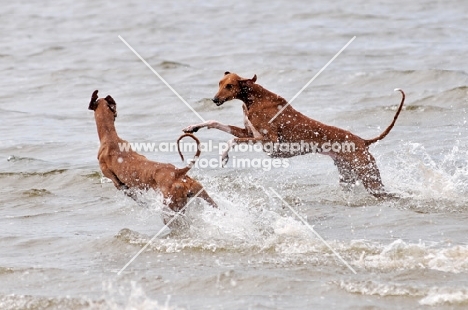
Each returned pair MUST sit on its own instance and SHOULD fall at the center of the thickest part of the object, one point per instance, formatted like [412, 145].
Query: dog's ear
[227, 72]
[181, 172]
[93, 102]
[247, 81]
[112, 105]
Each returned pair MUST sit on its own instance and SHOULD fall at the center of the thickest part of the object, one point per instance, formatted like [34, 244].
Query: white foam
[400, 255]
[432, 296]
[439, 296]
[415, 173]
[380, 289]
[137, 299]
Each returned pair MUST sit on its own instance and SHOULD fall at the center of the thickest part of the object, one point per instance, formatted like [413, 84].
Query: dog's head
[107, 103]
[180, 192]
[232, 87]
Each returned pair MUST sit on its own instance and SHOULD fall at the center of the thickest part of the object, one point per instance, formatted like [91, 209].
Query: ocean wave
[15, 301]
[445, 295]
[35, 192]
[429, 296]
[400, 255]
[381, 289]
[32, 174]
[447, 99]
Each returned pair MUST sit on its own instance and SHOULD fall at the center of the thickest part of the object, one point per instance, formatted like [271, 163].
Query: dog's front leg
[198, 188]
[225, 156]
[233, 130]
[119, 184]
[204, 195]
[236, 141]
[113, 177]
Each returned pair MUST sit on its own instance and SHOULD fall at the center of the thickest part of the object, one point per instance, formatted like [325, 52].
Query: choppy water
[66, 231]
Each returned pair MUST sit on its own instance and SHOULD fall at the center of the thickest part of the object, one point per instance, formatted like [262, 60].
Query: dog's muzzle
[217, 101]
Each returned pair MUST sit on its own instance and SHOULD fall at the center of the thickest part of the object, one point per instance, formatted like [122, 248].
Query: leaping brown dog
[131, 171]
[264, 125]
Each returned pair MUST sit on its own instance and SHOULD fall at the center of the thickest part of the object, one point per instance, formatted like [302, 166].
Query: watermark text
[274, 148]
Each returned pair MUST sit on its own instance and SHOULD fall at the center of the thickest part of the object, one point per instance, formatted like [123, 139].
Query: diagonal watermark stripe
[312, 229]
[312, 79]
[163, 80]
[159, 232]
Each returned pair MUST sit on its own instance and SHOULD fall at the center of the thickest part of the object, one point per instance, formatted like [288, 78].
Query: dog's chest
[257, 131]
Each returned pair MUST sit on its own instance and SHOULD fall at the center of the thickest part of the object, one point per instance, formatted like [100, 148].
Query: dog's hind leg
[369, 174]
[348, 177]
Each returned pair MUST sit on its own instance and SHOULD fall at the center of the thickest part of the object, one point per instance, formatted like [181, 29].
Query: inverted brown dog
[131, 171]
[262, 124]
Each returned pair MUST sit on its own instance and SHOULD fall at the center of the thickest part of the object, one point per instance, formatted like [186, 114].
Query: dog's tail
[197, 154]
[385, 133]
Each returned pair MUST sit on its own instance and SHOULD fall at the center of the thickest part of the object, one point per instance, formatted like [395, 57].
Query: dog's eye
[228, 86]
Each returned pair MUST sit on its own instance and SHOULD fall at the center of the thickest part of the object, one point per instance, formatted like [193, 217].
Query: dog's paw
[124, 187]
[224, 159]
[190, 129]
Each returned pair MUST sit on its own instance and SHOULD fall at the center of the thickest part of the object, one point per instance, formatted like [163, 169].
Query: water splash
[435, 183]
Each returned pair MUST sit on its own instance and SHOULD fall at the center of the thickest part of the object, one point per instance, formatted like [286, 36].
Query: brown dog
[263, 125]
[131, 171]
